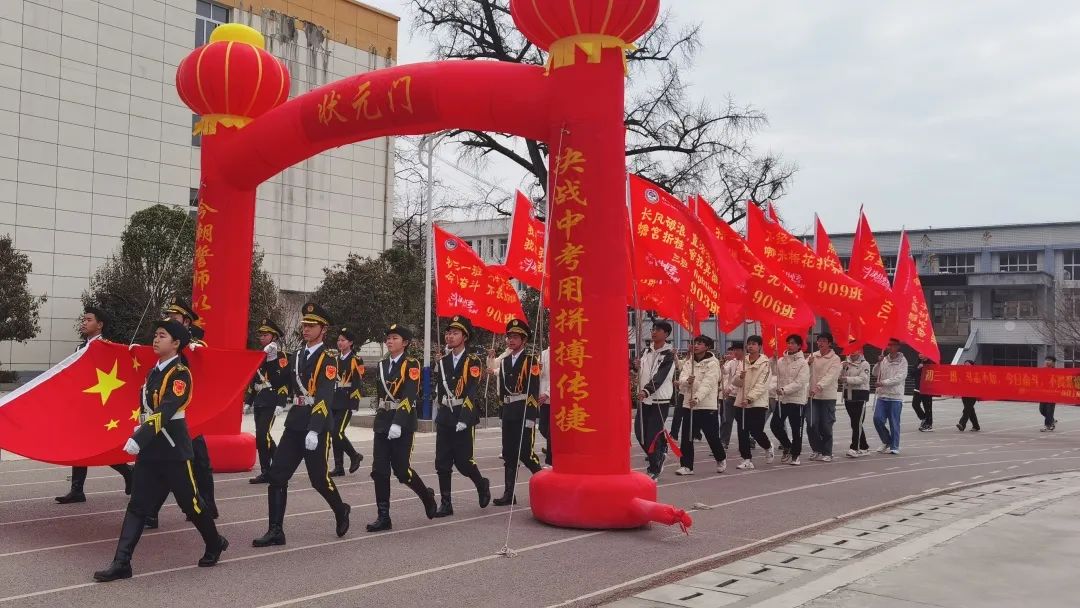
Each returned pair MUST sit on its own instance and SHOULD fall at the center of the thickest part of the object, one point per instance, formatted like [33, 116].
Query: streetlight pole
[426, 151]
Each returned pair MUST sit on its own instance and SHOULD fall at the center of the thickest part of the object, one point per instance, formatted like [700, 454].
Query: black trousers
[518, 442]
[924, 408]
[153, 480]
[792, 414]
[264, 443]
[856, 411]
[545, 429]
[290, 452]
[969, 413]
[342, 445]
[649, 430]
[751, 421]
[727, 419]
[391, 456]
[708, 423]
[454, 449]
[677, 416]
[78, 474]
[204, 479]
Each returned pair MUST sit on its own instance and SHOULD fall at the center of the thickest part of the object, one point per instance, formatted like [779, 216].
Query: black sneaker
[960, 427]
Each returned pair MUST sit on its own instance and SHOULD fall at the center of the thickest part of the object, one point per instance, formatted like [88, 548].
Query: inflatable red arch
[575, 104]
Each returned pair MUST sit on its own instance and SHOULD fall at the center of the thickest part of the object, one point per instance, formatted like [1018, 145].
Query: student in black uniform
[313, 376]
[269, 389]
[346, 401]
[162, 448]
[457, 381]
[519, 391]
[91, 327]
[398, 386]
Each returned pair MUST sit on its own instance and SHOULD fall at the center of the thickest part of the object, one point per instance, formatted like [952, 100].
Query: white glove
[394, 432]
[131, 447]
[278, 410]
[530, 424]
[194, 345]
[271, 351]
[311, 441]
[461, 426]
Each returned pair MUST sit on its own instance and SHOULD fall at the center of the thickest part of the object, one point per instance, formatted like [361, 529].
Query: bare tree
[1061, 326]
[686, 146]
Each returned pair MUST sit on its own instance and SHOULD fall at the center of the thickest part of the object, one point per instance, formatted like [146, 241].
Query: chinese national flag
[867, 268]
[770, 298]
[840, 325]
[82, 410]
[913, 323]
[525, 248]
[464, 285]
[823, 285]
[670, 244]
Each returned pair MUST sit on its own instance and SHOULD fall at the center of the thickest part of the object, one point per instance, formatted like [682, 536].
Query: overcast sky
[928, 113]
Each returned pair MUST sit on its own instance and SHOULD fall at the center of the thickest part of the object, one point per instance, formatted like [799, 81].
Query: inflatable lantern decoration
[231, 80]
[575, 106]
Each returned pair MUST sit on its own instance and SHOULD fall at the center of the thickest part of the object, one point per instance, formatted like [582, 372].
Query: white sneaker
[852, 454]
[770, 456]
[745, 465]
[684, 471]
[826, 459]
[1044, 429]
[785, 458]
[864, 452]
[897, 452]
[814, 455]
[883, 449]
[721, 466]
[795, 461]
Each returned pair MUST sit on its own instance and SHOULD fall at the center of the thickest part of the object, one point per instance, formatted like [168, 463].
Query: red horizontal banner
[998, 383]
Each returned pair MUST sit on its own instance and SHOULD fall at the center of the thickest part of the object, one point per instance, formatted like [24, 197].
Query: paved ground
[48, 551]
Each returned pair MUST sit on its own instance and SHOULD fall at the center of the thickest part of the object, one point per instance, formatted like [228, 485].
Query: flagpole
[427, 144]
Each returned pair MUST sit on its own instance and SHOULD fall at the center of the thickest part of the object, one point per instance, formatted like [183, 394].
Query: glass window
[196, 140]
[1019, 261]
[1014, 355]
[193, 197]
[1071, 356]
[845, 263]
[500, 250]
[890, 264]
[207, 17]
[1069, 306]
[1013, 303]
[956, 263]
[951, 305]
[1071, 265]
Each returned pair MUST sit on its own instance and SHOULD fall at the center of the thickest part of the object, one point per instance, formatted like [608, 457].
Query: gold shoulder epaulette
[332, 352]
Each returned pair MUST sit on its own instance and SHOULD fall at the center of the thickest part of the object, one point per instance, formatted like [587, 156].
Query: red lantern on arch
[232, 79]
[564, 26]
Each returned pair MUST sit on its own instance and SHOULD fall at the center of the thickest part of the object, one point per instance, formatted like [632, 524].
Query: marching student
[269, 389]
[792, 389]
[655, 394]
[519, 391]
[698, 382]
[162, 449]
[969, 411]
[891, 372]
[855, 375]
[457, 383]
[1047, 409]
[728, 372]
[752, 402]
[350, 367]
[825, 367]
[922, 405]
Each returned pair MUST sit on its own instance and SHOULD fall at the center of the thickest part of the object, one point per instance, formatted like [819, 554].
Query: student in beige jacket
[825, 366]
[699, 378]
[752, 401]
[792, 386]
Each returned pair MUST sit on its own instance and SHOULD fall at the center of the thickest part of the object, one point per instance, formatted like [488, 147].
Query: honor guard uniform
[519, 392]
[269, 389]
[346, 401]
[313, 375]
[457, 382]
[163, 452]
[398, 386]
[91, 325]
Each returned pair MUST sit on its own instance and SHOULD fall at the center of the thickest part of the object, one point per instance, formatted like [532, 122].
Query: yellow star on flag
[112, 425]
[106, 384]
[135, 365]
[135, 415]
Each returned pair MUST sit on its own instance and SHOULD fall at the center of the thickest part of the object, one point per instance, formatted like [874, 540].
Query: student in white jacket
[891, 373]
[792, 386]
[825, 367]
[699, 376]
[855, 376]
[752, 402]
[656, 373]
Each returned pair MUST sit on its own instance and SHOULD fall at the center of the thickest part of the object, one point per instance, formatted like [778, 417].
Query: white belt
[262, 387]
[344, 384]
[452, 402]
[176, 416]
[303, 400]
[515, 398]
[388, 404]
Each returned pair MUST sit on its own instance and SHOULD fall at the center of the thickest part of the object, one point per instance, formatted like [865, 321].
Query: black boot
[383, 522]
[126, 471]
[260, 478]
[130, 533]
[510, 474]
[78, 478]
[213, 555]
[276, 498]
[446, 508]
[341, 516]
[151, 522]
[355, 458]
[339, 471]
[483, 490]
[426, 494]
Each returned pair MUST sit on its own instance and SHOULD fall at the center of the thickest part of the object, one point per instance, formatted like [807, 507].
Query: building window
[1072, 265]
[1014, 355]
[1013, 303]
[196, 139]
[499, 253]
[1070, 357]
[1019, 261]
[1069, 306]
[952, 311]
[845, 263]
[890, 264]
[193, 197]
[207, 17]
[956, 263]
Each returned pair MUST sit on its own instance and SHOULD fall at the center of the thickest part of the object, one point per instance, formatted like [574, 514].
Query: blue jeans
[888, 409]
